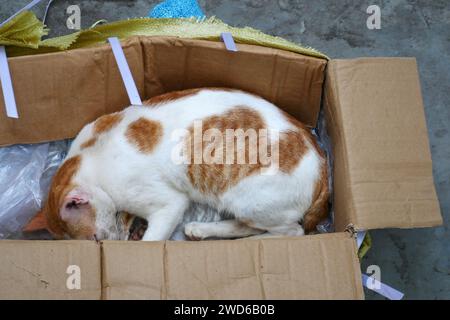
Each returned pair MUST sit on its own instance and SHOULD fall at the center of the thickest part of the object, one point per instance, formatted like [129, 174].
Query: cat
[184, 147]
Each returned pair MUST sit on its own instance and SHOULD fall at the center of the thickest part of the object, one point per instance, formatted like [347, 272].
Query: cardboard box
[382, 169]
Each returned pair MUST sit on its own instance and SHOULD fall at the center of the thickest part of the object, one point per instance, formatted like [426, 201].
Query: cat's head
[76, 211]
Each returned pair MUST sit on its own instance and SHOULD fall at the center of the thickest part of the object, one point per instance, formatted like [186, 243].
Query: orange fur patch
[215, 178]
[319, 207]
[170, 96]
[292, 147]
[107, 122]
[102, 125]
[293, 144]
[144, 134]
[60, 187]
[38, 222]
[305, 132]
[89, 143]
[175, 95]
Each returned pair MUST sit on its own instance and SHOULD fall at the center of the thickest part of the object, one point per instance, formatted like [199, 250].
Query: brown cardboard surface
[291, 81]
[383, 169]
[37, 269]
[133, 270]
[310, 267]
[58, 93]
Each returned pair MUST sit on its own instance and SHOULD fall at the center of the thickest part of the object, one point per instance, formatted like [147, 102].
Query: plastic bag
[324, 141]
[25, 176]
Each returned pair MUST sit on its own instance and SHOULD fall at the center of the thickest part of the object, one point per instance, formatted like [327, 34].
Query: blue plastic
[177, 9]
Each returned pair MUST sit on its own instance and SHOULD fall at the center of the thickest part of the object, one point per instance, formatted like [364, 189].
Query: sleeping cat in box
[222, 149]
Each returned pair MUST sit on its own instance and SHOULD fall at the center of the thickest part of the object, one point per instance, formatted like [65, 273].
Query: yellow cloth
[365, 246]
[23, 34]
[24, 30]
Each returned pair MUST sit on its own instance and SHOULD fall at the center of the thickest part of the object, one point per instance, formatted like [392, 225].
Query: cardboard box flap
[43, 269]
[310, 267]
[291, 81]
[58, 93]
[383, 168]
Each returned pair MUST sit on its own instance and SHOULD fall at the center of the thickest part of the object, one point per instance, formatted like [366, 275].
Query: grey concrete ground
[416, 262]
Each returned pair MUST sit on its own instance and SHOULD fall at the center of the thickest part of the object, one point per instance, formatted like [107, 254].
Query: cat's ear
[75, 206]
[38, 222]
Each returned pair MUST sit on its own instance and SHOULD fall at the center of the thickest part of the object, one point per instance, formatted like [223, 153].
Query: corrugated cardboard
[291, 81]
[383, 170]
[58, 93]
[38, 269]
[310, 267]
[133, 272]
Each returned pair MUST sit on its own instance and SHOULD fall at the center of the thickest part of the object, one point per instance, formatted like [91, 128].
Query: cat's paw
[193, 231]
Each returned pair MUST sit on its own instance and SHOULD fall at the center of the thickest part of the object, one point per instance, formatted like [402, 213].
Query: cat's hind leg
[225, 229]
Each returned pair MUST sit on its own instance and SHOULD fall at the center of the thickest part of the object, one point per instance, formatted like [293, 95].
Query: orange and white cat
[147, 160]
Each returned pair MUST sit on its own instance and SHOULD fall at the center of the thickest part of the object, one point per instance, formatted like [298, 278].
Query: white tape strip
[125, 72]
[27, 7]
[381, 288]
[227, 38]
[46, 11]
[7, 88]
[372, 283]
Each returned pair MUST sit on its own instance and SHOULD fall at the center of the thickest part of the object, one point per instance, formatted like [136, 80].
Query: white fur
[120, 178]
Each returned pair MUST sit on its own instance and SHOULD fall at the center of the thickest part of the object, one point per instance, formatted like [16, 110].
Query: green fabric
[365, 246]
[24, 30]
[22, 34]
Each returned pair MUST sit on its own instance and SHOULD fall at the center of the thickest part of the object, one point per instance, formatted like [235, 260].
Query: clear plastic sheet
[25, 175]
[323, 138]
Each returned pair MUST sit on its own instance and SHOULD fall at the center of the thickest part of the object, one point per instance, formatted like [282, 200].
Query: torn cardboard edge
[272, 268]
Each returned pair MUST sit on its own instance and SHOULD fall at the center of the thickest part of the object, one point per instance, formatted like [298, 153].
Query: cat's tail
[319, 207]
